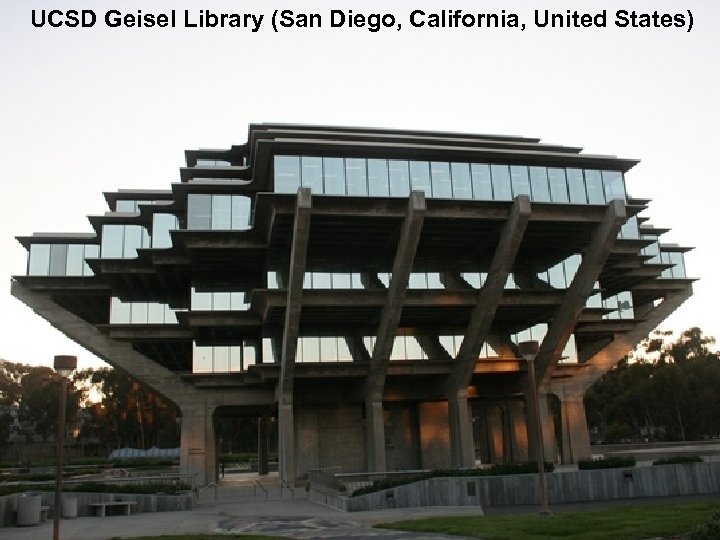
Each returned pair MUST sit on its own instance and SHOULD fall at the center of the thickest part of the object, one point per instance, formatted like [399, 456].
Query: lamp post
[528, 350]
[64, 365]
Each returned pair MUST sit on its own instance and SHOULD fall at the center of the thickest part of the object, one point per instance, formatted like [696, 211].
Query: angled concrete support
[565, 318]
[477, 330]
[387, 329]
[296, 273]
[198, 453]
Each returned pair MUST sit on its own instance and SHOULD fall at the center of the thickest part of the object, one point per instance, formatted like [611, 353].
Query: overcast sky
[88, 110]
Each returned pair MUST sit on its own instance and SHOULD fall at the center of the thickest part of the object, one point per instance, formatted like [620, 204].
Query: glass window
[334, 171]
[112, 241]
[418, 280]
[341, 281]
[75, 260]
[399, 176]
[328, 349]
[135, 238]
[221, 301]
[199, 210]
[593, 184]
[625, 305]
[572, 263]
[440, 175]
[58, 259]
[202, 359]
[413, 351]
[570, 351]
[501, 182]
[433, 281]
[312, 173]
[462, 188]
[630, 229]
[539, 184]
[200, 300]
[235, 359]
[558, 185]
[520, 180]
[287, 174]
[473, 279]
[576, 186]
[124, 205]
[614, 185]
[450, 344]
[39, 264]
[156, 313]
[240, 212]
[92, 251]
[378, 177]
[356, 176]
[556, 275]
[481, 182]
[310, 348]
[138, 312]
[119, 311]
[221, 358]
[249, 355]
[221, 216]
[344, 354]
[162, 225]
[398, 350]
[420, 177]
[678, 261]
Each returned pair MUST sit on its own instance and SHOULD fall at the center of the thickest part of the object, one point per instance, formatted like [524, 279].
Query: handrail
[205, 488]
[284, 483]
[257, 484]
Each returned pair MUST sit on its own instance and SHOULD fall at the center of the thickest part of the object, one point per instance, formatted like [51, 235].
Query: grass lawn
[628, 523]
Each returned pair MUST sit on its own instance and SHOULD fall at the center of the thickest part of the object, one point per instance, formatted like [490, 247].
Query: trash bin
[69, 507]
[28, 510]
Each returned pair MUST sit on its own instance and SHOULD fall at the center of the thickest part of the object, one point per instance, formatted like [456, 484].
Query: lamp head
[65, 364]
[528, 349]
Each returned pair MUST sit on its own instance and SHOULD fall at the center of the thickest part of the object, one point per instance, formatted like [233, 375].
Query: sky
[89, 110]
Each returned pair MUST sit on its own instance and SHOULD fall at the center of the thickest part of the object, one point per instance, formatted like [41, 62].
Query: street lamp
[528, 350]
[64, 365]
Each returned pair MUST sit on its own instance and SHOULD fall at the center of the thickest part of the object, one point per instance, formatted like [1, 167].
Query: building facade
[363, 292]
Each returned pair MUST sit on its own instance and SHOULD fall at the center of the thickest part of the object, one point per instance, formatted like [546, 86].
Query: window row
[140, 313]
[218, 212]
[131, 205]
[201, 300]
[441, 179]
[61, 259]
[161, 227]
[223, 358]
[123, 241]
[212, 163]
[621, 305]
[677, 260]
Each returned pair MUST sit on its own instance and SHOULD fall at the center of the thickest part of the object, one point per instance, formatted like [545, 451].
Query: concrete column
[548, 427]
[518, 430]
[286, 441]
[375, 434]
[575, 436]
[462, 444]
[198, 452]
[263, 445]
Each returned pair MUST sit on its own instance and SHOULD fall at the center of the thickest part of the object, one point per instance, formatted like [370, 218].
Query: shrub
[495, 470]
[677, 460]
[607, 463]
[709, 530]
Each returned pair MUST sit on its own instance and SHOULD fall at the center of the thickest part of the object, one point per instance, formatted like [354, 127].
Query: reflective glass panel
[328, 349]
[138, 312]
[198, 212]
[501, 182]
[92, 251]
[75, 260]
[558, 185]
[440, 175]
[123, 205]
[520, 180]
[420, 177]
[334, 171]
[344, 353]
[413, 351]
[593, 185]
[287, 174]
[481, 182]
[240, 212]
[39, 264]
[112, 241]
[678, 261]
[356, 176]
[378, 177]
[162, 225]
[221, 218]
[462, 188]
[576, 186]
[311, 348]
[614, 185]
[399, 176]
[119, 311]
[312, 173]
[539, 184]
[202, 359]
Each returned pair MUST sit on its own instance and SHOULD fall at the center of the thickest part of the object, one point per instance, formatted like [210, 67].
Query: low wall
[522, 489]
[145, 503]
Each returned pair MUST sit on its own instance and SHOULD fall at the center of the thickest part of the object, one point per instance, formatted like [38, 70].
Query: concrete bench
[101, 506]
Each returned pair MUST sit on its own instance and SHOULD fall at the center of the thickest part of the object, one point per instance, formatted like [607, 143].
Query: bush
[496, 470]
[677, 460]
[710, 530]
[607, 463]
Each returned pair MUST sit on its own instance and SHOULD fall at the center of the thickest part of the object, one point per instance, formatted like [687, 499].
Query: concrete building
[363, 292]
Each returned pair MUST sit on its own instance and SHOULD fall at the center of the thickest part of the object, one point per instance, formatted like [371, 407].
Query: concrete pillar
[575, 435]
[548, 427]
[462, 444]
[286, 441]
[198, 452]
[375, 434]
[263, 445]
[518, 431]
